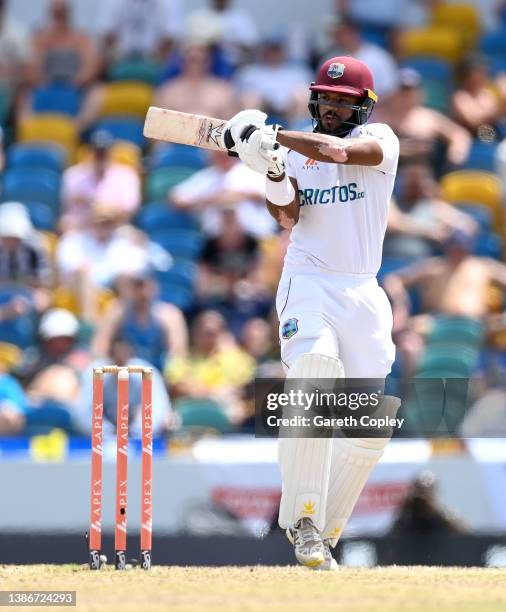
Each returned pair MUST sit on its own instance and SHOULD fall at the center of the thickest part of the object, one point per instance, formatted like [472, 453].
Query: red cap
[344, 75]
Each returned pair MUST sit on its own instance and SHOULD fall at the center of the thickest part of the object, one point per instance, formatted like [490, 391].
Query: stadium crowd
[113, 248]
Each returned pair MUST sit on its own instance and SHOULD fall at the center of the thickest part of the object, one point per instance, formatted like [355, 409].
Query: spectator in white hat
[53, 374]
[24, 265]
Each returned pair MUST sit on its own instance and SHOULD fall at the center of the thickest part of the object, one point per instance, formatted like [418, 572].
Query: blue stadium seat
[158, 216]
[26, 184]
[43, 217]
[186, 244]
[496, 64]
[430, 68]
[36, 156]
[489, 244]
[182, 297]
[183, 273]
[179, 156]
[20, 331]
[57, 98]
[376, 36]
[393, 264]
[480, 213]
[494, 43]
[123, 128]
[482, 156]
[437, 79]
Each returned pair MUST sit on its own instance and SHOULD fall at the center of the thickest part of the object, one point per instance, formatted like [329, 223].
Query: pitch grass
[268, 589]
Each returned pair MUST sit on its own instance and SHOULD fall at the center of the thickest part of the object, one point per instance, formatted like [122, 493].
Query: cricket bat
[189, 129]
[184, 128]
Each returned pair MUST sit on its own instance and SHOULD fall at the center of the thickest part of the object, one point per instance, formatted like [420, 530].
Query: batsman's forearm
[332, 149]
[286, 216]
[308, 143]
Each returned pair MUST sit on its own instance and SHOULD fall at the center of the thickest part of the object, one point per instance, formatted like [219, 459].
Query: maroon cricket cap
[344, 74]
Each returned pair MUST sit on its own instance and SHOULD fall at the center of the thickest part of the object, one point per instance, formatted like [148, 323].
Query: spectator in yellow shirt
[216, 368]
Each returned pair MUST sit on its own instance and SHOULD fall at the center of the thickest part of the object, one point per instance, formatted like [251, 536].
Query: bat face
[184, 128]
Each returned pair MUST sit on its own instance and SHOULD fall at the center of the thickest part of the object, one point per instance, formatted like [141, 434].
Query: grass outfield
[265, 589]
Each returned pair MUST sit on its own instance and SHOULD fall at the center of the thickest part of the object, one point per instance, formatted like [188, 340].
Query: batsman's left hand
[259, 150]
[236, 125]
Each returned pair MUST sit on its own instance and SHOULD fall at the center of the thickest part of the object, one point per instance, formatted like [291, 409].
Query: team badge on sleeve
[336, 70]
[289, 328]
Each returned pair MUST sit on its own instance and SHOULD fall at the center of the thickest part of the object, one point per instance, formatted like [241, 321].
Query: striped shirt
[27, 263]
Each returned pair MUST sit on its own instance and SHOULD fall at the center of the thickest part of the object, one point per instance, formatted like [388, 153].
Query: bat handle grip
[228, 141]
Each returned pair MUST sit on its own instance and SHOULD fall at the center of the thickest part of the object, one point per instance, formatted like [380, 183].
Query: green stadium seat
[203, 415]
[141, 70]
[159, 182]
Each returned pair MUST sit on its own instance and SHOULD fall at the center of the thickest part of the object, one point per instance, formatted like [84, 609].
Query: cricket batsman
[333, 187]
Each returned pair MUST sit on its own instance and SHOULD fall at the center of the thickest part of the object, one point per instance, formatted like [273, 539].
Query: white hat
[14, 221]
[58, 322]
[203, 27]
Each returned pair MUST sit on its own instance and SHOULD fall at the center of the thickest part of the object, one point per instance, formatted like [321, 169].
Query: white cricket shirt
[344, 209]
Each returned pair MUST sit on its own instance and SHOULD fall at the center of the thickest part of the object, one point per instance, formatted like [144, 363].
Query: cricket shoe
[330, 564]
[307, 543]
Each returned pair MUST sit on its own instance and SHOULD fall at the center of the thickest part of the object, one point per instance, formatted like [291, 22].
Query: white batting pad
[305, 472]
[305, 463]
[313, 365]
[352, 462]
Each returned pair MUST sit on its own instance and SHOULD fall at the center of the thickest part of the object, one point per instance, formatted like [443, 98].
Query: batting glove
[258, 149]
[235, 126]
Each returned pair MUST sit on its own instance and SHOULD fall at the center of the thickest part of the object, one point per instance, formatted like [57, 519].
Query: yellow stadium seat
[63, 297]
[50, 242]
[122, 152]
[441, 42]
[463, 18]
[465, 186]
[127, 98]
[50, 127]
[10, 355]
[127, 153]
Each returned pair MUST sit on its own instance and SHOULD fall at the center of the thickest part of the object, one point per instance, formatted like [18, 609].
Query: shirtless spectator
[419, 220]
[98, 179]
[225, 182]
[455, 284]
[475, 103]
[156, 330]
[196, 90]
[62, 54]
[420, 129]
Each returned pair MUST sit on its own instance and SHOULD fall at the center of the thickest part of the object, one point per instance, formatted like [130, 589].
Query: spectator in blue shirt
[13, 406]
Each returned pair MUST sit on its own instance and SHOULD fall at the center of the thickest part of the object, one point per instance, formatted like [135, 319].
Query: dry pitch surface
[191, 589]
